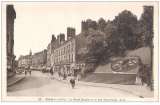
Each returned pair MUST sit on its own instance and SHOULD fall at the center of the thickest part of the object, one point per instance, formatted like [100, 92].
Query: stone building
[48, 55]
[70, 33]
[63, 54]
[85, 25]
[71, 53]
[39, 59]
[25, 61]
[66, 54]
[61, 39]
[54, 43]
[10, 16]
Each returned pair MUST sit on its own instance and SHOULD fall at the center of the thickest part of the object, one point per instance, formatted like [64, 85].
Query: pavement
[42, 84]
[137, 90]
[14, 79]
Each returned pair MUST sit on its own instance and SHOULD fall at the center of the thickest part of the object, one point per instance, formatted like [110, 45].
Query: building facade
[85, 25]
[10, 17]
[66, 54]
[39, 59]
[70, 33]
[25, 61]
[48, 55]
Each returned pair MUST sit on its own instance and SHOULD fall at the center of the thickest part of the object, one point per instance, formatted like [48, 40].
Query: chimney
[61, 38]
[70, 33]
[53, 38]
[83, 26]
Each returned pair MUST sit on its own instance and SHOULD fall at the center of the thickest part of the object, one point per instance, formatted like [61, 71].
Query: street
[40, 84]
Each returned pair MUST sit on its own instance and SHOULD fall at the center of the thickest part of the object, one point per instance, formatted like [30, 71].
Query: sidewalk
[137, 90]
[13, 80]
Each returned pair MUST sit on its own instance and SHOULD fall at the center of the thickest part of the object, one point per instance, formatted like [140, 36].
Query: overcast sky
[36, 22]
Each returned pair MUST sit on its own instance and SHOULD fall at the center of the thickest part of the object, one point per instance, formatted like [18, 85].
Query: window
[69, 57]
[63, 50]
[58, 52]
[72, 57]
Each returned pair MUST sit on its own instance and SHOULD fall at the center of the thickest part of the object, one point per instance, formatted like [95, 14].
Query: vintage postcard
[79, 51]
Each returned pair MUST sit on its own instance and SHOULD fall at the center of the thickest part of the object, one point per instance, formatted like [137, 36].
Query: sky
[36, 21]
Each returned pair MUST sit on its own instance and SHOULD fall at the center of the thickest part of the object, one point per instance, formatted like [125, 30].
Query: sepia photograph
[79, 51]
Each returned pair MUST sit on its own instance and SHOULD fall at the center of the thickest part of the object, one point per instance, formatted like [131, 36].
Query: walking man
[29, 70]
[25, 72]
[72, 82]
[51, 72]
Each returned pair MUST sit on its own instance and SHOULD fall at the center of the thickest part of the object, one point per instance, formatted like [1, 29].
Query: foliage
[114, 38]
[126, 24]
[101, 24]
[115, 45]
[146, 26]
[95, 46]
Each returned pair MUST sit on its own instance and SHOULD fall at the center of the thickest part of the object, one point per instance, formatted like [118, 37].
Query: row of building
[60, 52]
[36, 60]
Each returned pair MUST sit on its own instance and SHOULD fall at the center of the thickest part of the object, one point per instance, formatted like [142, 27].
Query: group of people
[63, 72]
[28, 70]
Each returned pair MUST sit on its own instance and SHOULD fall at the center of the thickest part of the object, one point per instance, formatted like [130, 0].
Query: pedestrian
[72, 82]
[25, 72]
[59, 74]
[65, 72]
[29, 70]
[64, 76]
[51, 72]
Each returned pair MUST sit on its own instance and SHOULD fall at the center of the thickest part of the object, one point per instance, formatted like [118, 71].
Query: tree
[115, 45]
[146, 25]
[91, 24]
[126, 23]
[146, 28]
[95, 45]
[110, 30]
[101, 24]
